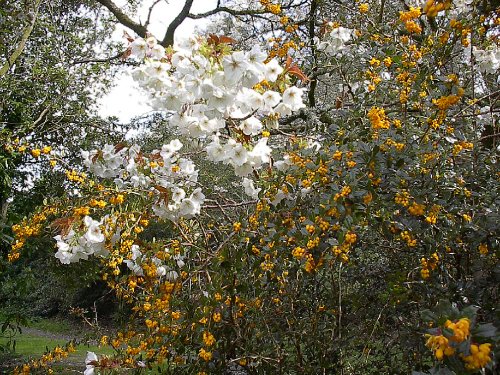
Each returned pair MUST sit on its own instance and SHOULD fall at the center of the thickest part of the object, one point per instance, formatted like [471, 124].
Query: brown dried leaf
[213, 39]
[295, 71]
[96, 156]
[128, 37]
[162, 189]
[63, 224]
[226, 39]
[125, 55]
[120, 146]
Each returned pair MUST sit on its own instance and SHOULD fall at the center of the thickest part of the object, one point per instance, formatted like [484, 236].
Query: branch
[125, 20]
[312, 21]
[168, 40]
[236, 204]
[232, 12]
[102, 60]
[20, 48]
[146, 24]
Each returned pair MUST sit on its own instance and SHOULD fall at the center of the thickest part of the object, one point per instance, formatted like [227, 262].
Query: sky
[125, 100]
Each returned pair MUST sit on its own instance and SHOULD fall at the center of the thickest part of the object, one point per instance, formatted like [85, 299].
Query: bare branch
[232, 12]
[119, 56]
[168, 40]
[314, 82]
[125, 20]
[146, 24]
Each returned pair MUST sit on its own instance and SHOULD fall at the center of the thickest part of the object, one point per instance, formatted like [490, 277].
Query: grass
[34, 346]
[53, 326]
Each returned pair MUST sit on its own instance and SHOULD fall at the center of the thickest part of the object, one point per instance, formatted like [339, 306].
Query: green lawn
[34, 346]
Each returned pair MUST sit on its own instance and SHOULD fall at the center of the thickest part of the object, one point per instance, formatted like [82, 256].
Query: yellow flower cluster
[479, 356]
[413, 27]
[118, 199]
[298, 252]
[311, 265]
[433, 7]
[406, 236]
[440, 346]
[432, 215]
[217, 317]
[483, 249]
[97, 203]
[323, 224]
[57, 354]
[312, 243]
[363, 8]
[461, 329]
[378, 119]
[208, 338]
[428, 265]
[443, 346]
[460, 146]
[399, 146]
[416, 209]
[35, 151]
[409, 15]
[344, 193]
[351, 238]
[28, 228]
[408, 18]
[81, 211]
[445, 102]
[402, 198]
[282, 50]
[75, 176]
[274, 8]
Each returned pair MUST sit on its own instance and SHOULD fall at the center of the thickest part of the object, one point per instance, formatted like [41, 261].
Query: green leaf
[485, 331]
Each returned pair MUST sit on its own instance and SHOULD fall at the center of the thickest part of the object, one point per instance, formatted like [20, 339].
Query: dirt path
[50, 335]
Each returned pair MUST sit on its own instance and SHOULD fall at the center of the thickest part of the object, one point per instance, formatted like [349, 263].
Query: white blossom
[250, 189]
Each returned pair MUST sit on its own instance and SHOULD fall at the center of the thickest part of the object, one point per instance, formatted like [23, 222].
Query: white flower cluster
[488, 60]
[90, 362]
[73, 246]
[461, 7]
[334, 42]
[163, 171]
[213, 98]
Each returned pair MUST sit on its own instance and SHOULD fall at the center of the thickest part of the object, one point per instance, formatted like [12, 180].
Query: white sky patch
[125, 100]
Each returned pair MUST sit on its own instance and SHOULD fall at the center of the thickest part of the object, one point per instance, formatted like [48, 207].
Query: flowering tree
[366, 177]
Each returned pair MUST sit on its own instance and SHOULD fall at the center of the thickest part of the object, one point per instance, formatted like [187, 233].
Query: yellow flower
[205, 355]
[208, 338]
[483, 249]
[216, 317]
[363, 8]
